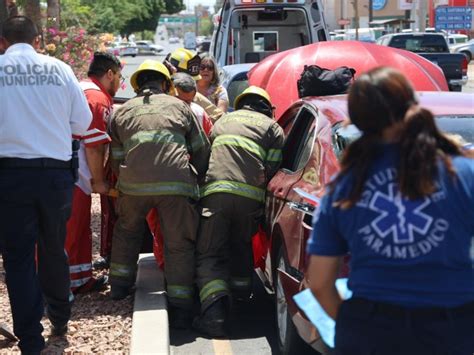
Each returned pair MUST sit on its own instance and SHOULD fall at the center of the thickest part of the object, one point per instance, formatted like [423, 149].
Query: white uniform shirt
[41, 105]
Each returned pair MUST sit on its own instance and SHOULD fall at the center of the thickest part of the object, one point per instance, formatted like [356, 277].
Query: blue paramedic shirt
[414, 253]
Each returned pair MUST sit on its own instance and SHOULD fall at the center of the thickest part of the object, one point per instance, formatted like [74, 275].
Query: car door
[284, 223]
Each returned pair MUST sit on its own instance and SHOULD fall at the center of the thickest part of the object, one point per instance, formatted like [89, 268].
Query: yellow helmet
[150, 65]
[186, 61]
[252, 90]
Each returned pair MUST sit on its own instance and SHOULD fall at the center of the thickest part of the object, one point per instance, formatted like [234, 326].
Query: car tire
[468, 55]
[134, 55]
[289, 341]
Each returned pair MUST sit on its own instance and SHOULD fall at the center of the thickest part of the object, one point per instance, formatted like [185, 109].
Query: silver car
[465, 48]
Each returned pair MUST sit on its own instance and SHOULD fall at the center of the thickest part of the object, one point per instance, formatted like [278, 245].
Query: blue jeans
[34, 207]
[372, 328]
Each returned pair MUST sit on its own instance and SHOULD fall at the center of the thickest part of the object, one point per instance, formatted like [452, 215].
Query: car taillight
[464, 66]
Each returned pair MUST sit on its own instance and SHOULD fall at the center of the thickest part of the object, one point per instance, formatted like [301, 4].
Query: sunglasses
[207, 66]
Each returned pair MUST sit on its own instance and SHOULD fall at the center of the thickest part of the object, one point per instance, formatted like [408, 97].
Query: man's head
[107, 69]
[19, 29]
[185, 87]
[185, 61]
[256, 99]
[153, 75]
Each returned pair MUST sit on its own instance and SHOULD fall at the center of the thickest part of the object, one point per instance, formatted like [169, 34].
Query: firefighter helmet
[186, 61]
[150, 65]
[252, 90]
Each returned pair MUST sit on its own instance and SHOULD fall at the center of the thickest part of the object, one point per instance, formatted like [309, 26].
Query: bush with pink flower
[73, 46]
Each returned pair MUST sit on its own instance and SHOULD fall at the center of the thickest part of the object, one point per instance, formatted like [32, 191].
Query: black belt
[37, 163]
[395, 311]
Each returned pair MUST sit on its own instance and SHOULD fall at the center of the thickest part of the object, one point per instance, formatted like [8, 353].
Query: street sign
[453, 18]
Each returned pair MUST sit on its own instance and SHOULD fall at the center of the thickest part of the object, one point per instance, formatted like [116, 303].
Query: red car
[316, 137]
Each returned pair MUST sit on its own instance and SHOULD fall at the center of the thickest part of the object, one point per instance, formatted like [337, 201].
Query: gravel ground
[98, 325]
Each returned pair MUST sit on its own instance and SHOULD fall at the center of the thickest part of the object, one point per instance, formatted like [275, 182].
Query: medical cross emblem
[399, 218]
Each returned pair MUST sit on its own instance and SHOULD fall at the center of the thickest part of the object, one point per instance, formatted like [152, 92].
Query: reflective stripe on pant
[224, 248]
[179, 220]
[79, 239]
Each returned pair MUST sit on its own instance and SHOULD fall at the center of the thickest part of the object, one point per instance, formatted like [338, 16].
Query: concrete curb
[150, 332]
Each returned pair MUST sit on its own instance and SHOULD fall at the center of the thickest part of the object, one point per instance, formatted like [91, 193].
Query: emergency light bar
[268, 2]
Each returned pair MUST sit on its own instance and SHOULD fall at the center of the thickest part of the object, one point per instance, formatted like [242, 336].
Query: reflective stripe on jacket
[158, 147]
[245, 154]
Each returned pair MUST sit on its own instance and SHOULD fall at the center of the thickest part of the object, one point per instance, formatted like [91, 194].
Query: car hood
[279, 73]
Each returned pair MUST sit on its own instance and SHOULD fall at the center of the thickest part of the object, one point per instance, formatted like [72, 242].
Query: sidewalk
[150, 332]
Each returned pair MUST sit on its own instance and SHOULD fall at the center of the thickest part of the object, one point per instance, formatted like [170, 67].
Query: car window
[235, 88]
[300, 141]
[458, 128]
[420, 44]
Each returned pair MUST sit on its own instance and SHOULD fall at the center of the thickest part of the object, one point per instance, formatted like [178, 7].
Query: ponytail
[421, 147]
[357, 158]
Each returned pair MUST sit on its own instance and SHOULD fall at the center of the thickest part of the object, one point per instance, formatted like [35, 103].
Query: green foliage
[205, 26]
[75, 14]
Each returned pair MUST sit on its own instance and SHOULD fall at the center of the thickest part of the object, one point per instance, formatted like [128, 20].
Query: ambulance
[247, 31]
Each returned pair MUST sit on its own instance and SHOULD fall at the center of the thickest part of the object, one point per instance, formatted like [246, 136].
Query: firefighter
[185, 61]
[159, 153]
[104, 80]
[245, 154]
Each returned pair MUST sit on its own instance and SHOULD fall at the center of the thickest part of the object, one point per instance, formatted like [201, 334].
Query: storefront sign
[378, 4]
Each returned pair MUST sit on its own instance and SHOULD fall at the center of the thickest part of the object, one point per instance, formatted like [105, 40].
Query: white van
[249, 30]
[189, 41]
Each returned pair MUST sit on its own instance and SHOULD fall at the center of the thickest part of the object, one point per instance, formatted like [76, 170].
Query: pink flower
[52, 31]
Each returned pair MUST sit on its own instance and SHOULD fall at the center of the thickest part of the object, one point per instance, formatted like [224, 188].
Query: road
[253, 332]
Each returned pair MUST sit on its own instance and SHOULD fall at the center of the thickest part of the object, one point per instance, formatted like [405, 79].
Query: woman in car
[209, 85]
[402, 206]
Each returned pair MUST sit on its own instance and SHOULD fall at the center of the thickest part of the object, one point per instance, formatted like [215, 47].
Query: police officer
[42, 107]
[159, 152]
[246, 153]
[185, 61]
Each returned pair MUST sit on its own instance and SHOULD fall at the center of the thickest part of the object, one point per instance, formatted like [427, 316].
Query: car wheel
[468, 55]
[134, 55]
[289, 340]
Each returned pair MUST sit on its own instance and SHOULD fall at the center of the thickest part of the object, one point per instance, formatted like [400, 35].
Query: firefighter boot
[214, 320]
[180, 318]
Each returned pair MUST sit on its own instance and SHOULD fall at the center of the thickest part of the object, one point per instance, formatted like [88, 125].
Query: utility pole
[422, 15]
[371, 11]
[355, 3]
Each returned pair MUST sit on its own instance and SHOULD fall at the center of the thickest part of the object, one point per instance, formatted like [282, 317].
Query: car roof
[235, 69]
[441, 103]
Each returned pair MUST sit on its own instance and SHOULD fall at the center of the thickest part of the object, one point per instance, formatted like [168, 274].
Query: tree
[75, 14]
[53, 14]
[3, 11]
[33, 11]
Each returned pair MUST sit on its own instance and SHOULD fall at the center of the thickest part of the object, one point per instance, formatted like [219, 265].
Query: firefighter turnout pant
[224, 246]
[179, 219]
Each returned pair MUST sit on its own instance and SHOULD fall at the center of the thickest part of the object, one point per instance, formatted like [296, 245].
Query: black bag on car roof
[317, 81]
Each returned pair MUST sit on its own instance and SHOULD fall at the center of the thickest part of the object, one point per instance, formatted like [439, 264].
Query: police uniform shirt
[41, 105]
[412, 253]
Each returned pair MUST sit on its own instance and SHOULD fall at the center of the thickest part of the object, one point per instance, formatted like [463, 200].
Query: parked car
[148, 48]
[278, 74]
[127, 49]
[456, 38]
[432, 46]
[316, 138]
[467, 49]
[113, 48]
[173, 40]
[234, 79]
[203, 47]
